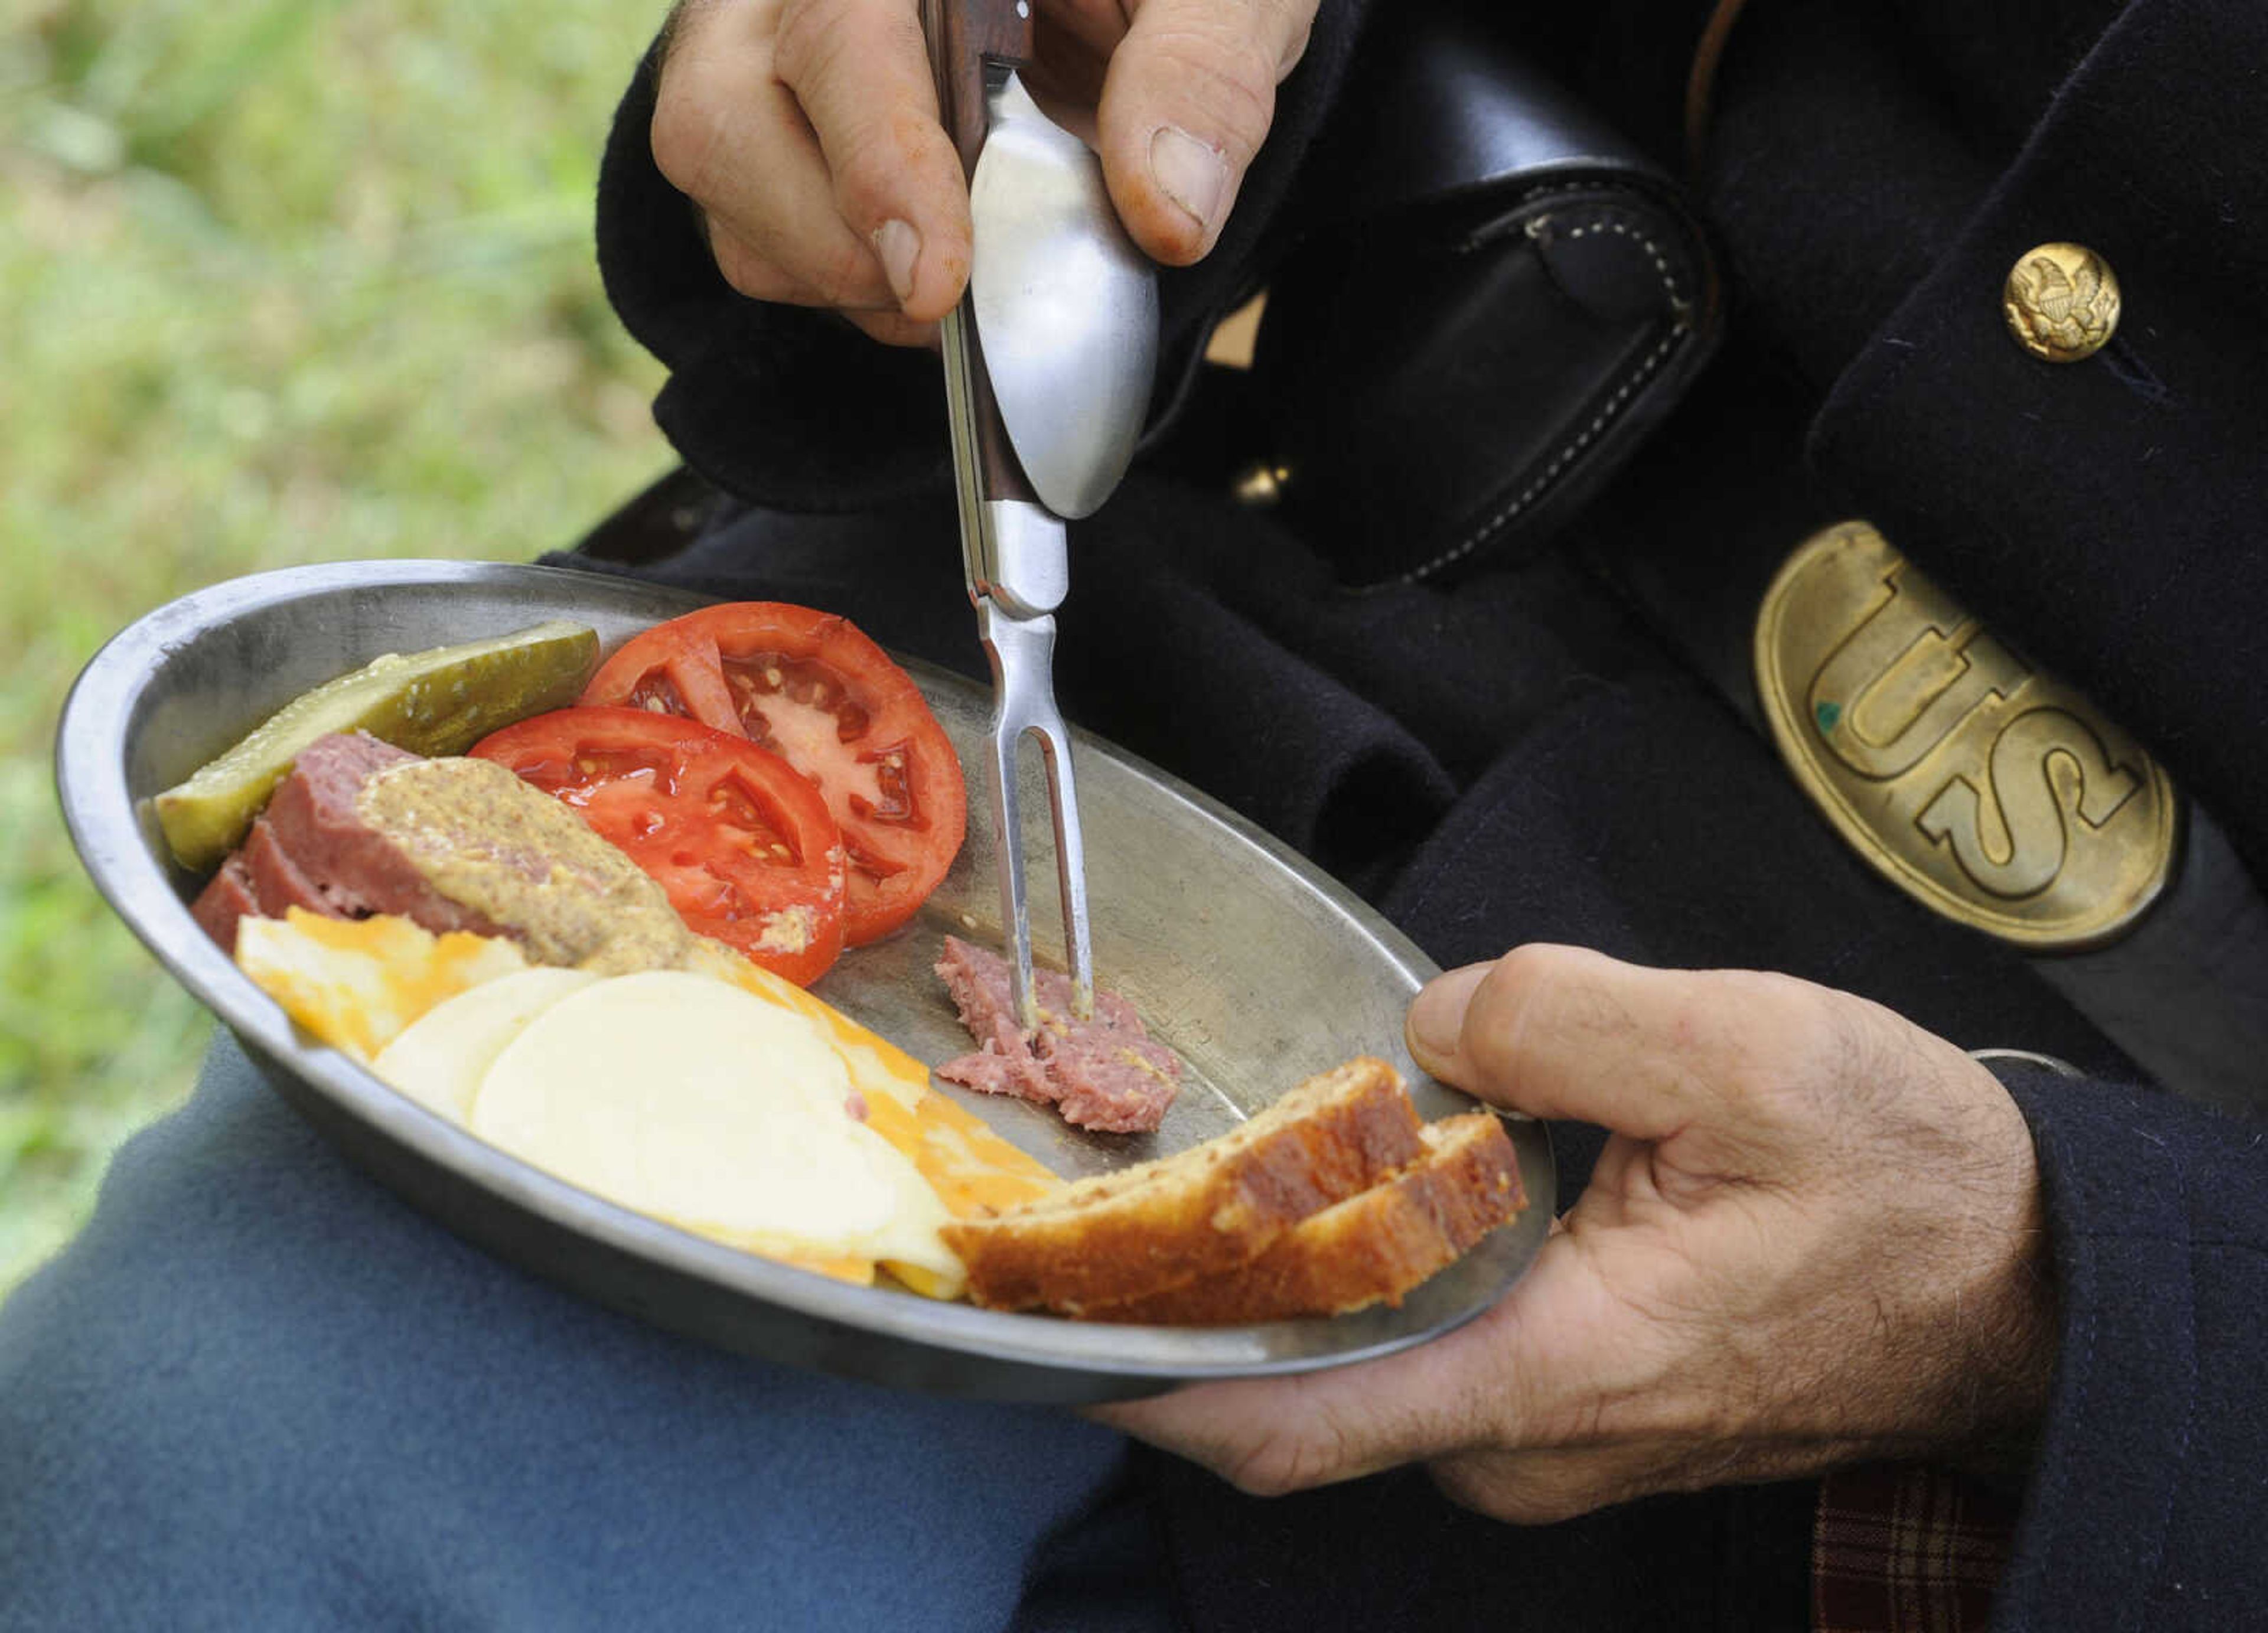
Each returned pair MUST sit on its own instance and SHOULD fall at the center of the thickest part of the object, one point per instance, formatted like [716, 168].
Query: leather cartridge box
[1500, 300]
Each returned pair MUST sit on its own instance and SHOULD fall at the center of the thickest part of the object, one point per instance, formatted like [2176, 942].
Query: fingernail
[899, 246]
[1192, 174]
[1437, 1014]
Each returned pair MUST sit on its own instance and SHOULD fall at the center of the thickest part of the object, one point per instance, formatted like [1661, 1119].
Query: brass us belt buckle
[1991, 792]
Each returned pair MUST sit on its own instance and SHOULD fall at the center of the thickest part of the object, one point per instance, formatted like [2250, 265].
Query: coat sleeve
[2147, 1506]
[793, 408]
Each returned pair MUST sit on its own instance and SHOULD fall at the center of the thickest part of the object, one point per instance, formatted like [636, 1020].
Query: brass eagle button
[2061, 301]
[1989, 791]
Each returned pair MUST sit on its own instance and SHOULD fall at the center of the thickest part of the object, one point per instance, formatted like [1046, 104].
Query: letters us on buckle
[1993, 793]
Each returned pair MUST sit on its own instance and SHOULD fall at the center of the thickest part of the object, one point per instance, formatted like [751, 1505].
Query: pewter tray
[1255, 968]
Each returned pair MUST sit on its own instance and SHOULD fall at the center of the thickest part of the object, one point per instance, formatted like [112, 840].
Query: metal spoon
[1066, 307]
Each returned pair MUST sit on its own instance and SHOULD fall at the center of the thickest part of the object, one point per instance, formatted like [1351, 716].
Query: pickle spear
[440, 702]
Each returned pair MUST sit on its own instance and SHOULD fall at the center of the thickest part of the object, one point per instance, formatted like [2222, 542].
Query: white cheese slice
[699, 1103]
[441, 1058]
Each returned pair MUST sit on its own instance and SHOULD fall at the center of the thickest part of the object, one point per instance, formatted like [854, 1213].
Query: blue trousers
[259, 1391]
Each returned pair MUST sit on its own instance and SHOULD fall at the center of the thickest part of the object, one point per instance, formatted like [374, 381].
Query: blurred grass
[280, 281]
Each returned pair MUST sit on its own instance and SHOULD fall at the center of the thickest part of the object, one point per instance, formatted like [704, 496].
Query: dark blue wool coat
[1519, 757]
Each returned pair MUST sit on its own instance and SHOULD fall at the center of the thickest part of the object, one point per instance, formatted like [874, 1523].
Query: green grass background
[280, 280]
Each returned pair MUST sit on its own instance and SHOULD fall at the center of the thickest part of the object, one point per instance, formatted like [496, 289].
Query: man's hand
[806, 132]
[1814, 1237]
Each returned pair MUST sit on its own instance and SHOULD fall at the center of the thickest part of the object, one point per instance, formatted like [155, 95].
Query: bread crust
[1144, 1229]
[1372, 1247]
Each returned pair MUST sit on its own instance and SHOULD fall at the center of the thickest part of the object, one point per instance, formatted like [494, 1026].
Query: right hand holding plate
[1814, 1237]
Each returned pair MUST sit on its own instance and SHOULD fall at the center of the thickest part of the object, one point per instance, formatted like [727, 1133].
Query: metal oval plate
[1256, 968]
[1066, 308]
[1995, 794]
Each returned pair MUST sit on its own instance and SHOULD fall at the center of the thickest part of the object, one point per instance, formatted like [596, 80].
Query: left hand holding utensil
[806, 132]
[1813, 1238]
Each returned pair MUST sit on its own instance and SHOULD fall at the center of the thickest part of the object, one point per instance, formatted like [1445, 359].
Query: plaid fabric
[1906, 1549]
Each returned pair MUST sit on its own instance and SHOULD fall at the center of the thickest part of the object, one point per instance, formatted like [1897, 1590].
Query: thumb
[1187, 100]
[1562, 1032]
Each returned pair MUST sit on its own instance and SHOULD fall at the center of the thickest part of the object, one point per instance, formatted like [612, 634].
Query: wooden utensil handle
[964, 37]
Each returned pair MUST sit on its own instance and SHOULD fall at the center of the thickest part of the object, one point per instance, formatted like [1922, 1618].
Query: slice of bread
[1375, 1246]
[1143, 1229]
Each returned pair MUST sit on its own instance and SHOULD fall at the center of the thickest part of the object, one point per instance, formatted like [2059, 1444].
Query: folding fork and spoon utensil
[1048, 366]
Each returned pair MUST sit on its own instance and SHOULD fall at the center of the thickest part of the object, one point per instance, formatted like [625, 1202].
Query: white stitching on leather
[1621, 229]
[1534, 226]
[1479, 535]
[1567, 451]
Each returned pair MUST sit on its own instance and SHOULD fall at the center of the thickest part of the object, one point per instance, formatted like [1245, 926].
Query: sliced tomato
[741, 842]
[810, 686]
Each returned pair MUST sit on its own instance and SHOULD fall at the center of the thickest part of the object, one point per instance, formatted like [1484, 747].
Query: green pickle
[440, 702]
